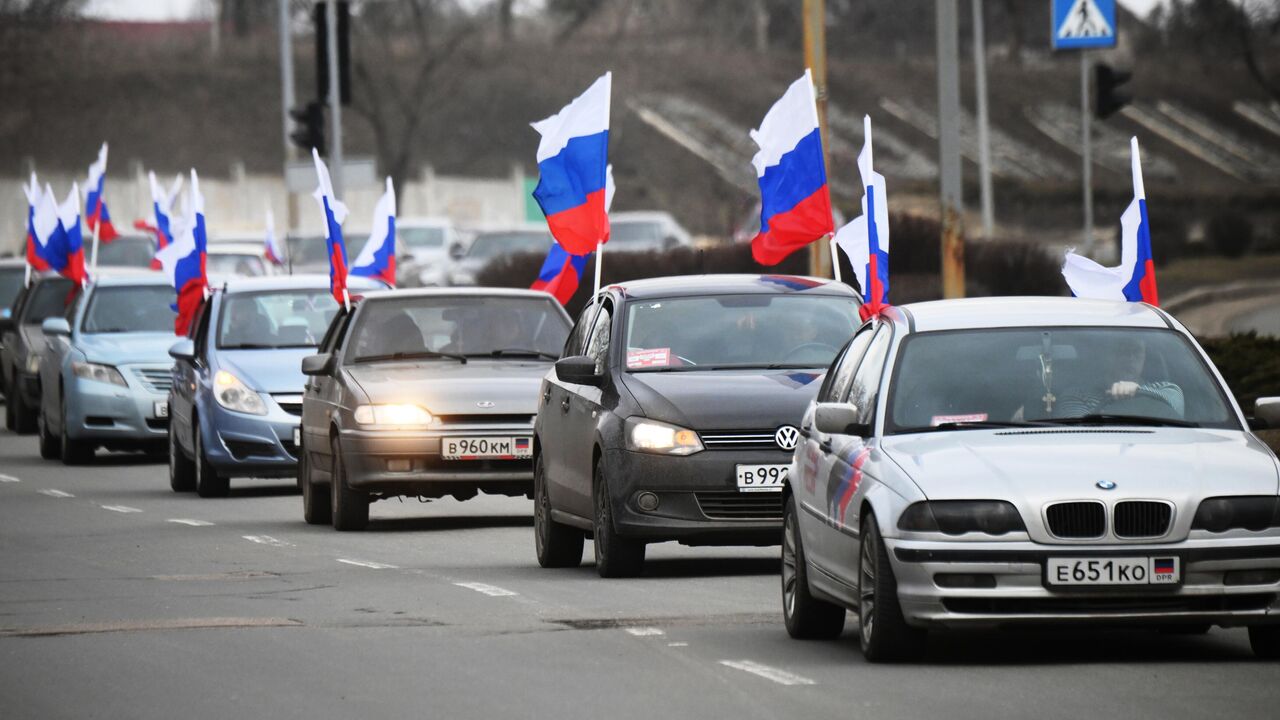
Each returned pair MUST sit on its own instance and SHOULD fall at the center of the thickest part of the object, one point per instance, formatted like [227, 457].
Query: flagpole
[93, 268]
[835, 258]
[26, 281]
[599, 258]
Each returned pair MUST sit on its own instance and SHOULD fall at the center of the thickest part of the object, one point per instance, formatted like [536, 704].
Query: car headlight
[393, 415]
[234, 395]
[957, 517]
[1220, 514]
[652, 436]
[94, 371]
[33, 364]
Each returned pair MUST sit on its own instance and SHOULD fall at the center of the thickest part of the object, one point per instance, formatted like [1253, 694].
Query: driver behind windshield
[249, 325]
[1126, 377]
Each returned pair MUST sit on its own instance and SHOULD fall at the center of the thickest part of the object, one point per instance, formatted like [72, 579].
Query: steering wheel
[1145, 405]
[809, 346]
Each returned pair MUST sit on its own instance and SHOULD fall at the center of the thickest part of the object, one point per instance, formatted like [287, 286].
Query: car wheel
[1265, 640]
[10, 417]
[182, 472]
[350, 507]
[885, 635]
[317, 508]
[806, 617]
[208, 483]
[24, 418]
[616, 556]
[50, 444]
[73, 452]
[558, 545]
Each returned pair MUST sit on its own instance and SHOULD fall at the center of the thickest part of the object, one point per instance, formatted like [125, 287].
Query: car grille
[1141, 519]
[291, 403]
[739, 440]
[1077, 520]
[733, 505]
[157, 380]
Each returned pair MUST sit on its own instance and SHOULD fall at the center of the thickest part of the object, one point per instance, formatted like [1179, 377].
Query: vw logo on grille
[484, 404]
[1106, 485]
[787, 436]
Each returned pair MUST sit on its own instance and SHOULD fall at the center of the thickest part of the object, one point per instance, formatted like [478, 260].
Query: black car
[22, 339]
[672, 414]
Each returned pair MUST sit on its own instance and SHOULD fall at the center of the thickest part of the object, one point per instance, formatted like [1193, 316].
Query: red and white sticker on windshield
[648, 357]
[943, 419]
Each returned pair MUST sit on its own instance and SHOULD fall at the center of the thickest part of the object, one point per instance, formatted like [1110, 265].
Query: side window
[573, 345]
[866, 381]
[73, 307]
[332, 339]
[836, 389]
[598, 340]
[201, 328]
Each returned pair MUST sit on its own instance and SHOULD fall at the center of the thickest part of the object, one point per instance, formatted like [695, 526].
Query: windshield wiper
[972, 425]
[1112, 419]
[417, 354]
[247, 346]
[516, 352]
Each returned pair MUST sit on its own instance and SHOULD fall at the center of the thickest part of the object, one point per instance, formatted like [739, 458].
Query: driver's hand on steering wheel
[1123, 389]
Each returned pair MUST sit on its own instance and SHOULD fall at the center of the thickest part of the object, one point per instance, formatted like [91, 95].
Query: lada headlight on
[100, 373]
[234, 395]
[661, 438]
[393, 415]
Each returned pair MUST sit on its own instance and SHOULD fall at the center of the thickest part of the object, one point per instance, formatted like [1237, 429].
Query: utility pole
[951, 195]
[984, 122]
[815, 58]
[287, 98]
[335, 96]
[1086, 144]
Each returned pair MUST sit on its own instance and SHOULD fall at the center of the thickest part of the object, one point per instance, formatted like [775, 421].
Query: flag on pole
[866, 240]
[70, 239]
[572, 158]
[96, 215]
[334, 215]
[271, 246]
[183, 260]
[1134, 279]
[33, 193]
[162, 208]
[561, 272]
[795, 203]
[378, 257]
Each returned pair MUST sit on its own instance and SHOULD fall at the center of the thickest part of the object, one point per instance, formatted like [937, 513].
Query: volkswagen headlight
[393, 415]
[662, 438]
[100, 373]
[234, 395]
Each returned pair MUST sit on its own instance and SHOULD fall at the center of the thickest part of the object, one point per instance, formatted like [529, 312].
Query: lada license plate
[1166, 570]
[160, 409]
[762, 478]
[482, 448]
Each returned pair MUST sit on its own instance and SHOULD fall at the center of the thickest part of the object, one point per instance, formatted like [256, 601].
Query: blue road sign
[1083, 24]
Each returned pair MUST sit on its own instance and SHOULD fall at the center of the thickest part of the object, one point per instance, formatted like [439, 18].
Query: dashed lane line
[782, 677]
[189, 521]
[55, 493]
[8, 479]
[645, 631]
[678, 644]
[368, 564]
[267, 540]
[121, 508]
[490, 590]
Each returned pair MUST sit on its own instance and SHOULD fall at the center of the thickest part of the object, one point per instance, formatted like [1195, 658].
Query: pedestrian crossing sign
[1083, 24]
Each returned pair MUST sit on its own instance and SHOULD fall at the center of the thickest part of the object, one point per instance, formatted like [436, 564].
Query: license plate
[160, 409]
[1166, 570]
[297, 437]
[481, 448]
[762, 478]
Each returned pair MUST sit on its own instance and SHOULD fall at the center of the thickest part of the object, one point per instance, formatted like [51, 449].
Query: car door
[320, 395]
[9, 340]
[582, 412]
[553, 413]
[55, 354]
[187, 380]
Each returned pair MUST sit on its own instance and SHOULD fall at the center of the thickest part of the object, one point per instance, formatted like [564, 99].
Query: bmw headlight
[957, 517]
[393, 415]
[662, 438]
[234, 395]
[1220, 514]
[94, 371]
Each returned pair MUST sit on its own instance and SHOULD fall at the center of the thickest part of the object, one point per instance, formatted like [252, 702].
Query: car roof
[234, 247]
[302, 281]
[640, 216]
[456, 292]
[131, 279]
[12, 262]
[428, 222]
[1003, 312]
[695, 285]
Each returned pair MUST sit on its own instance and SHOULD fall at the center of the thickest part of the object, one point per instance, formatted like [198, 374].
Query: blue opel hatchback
[236, 401]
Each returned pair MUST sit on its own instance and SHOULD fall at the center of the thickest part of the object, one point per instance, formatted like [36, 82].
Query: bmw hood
[445, 387]
[725, 399]
[127, 348]
[1178, 464]
[268, 371]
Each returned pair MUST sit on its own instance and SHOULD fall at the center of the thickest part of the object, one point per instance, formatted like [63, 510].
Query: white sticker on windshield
[651, 357]
[972, 417]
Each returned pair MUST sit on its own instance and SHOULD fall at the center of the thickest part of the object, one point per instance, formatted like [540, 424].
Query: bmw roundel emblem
[787, 437]
[1106, 485]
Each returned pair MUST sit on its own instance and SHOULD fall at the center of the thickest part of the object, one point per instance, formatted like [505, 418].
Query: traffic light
[1107, 97]
[322, 51]
[310, 131]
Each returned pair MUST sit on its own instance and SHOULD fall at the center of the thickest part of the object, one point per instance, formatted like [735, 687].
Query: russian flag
[560, 273]
[271, 246]
[866, 240]
[795, 204]
[162, 208]
[33, 193]
[183, 261]
[334, 215]
[572, 159]
[56, 230]
[96, 215]
[377, 259]
[1134, 279]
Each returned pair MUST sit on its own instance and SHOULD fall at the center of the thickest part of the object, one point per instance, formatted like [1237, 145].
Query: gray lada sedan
[427, 393]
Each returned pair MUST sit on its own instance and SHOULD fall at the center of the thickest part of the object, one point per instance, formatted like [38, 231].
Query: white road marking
[55, 493]
[8, 478]
[368, 564]
[677, 644]
[645, 631]
[782, 677]
[266, 540]
[490, 590]
[120, 508]
[190, 521]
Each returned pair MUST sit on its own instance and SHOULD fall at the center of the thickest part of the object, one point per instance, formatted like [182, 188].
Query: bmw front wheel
[884, 633]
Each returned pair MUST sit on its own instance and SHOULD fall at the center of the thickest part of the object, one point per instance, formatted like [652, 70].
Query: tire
[24, 418]
[1265, 640]
[885, 636]
[50, 444]
[73, 452]
[10, 418]
[806, 617]
[182, 472]
[557, 545]
[208, 483]
[317, 505]
[616, 556]
[350, 507]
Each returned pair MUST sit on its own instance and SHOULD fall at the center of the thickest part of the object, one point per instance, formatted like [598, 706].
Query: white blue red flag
[271, 249]
[33, 192]
[866, 240]
[95, 214]
[572, 159]
[795, 203]
[162, 208]
[1134, 279]
[334, 215]
[377, 259]
[59, 246]
[561, 272]
[183, 260]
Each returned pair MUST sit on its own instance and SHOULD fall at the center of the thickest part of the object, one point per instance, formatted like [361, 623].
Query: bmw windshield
[275, 319]
[129, 309]
[1058, 376]
[737, 331]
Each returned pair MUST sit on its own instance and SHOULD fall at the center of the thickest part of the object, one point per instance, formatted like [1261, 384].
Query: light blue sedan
[236, 399]
[105, 370]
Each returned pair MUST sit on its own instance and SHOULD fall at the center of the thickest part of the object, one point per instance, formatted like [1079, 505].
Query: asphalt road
[120, 599]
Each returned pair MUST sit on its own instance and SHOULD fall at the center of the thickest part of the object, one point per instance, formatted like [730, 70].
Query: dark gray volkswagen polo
[672, 414]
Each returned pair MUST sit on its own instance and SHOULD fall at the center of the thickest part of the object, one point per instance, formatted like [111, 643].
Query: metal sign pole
[1086, 144]
[984, 132]
[287, 100]
[335, 96]
[949, 167]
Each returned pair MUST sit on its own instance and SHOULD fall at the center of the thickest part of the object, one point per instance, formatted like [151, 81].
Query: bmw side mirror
[184, 349]
[1266, 410]
[579, 370]
[55, 326]
[321, 364]
[839, 419]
